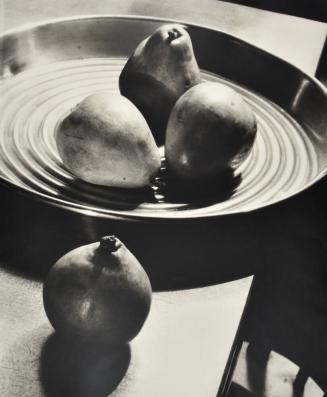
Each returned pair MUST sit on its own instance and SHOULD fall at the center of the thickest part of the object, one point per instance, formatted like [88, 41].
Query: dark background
[315, 10]
[311, 9]
[292, 282]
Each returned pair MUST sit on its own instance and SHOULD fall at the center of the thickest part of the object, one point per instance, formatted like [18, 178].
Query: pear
[105, 140]
[98, 292]
[160, 70]
[211, 130]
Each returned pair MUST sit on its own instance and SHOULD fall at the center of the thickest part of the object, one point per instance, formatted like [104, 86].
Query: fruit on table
[98, 292]
[211, 129]
[105, 140]
[159, 71]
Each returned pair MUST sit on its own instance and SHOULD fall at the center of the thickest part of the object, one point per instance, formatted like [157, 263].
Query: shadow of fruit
[71, 369]
[199, 193]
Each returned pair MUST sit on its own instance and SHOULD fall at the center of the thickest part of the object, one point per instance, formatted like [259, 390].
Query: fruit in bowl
[211, 129]
[98, 292]
[207, 128]
[105, 140]
[159, 71]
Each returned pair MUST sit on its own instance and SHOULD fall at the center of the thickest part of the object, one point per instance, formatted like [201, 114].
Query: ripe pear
[211, 130]
[160, 70]
[98, 292]
[105, 140]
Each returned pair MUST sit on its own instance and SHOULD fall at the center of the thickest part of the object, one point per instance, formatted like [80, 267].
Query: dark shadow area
[175, 254]
[268, 373]
[256, 369]
[165, 189]
[287, 311]
[154, 100]
[299, 383]
[201, 194]
[181, 254]
[321, 72]
[310, 9]
[237, 390]
[68, 368]
[290, 318]
[120, 199]
[39, 363]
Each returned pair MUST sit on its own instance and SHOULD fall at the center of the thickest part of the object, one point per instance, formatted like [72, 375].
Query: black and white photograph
[163, 198]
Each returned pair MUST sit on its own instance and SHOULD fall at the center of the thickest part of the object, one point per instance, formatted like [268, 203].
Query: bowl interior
[48, 69]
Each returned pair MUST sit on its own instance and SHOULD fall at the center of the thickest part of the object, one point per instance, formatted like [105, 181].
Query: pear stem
[172, 34]
[109, 243]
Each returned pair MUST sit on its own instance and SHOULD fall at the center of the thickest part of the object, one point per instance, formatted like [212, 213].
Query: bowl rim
[121, 215]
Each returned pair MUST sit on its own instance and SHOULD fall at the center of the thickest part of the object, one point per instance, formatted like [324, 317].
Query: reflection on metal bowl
[48, 68]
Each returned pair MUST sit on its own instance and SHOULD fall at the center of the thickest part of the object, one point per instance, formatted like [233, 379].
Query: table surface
[296, 40]
[182, 349]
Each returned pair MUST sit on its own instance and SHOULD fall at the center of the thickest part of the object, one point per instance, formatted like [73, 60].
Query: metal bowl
[46, 69]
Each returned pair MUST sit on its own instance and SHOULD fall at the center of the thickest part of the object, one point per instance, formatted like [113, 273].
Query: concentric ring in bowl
[34, 102]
